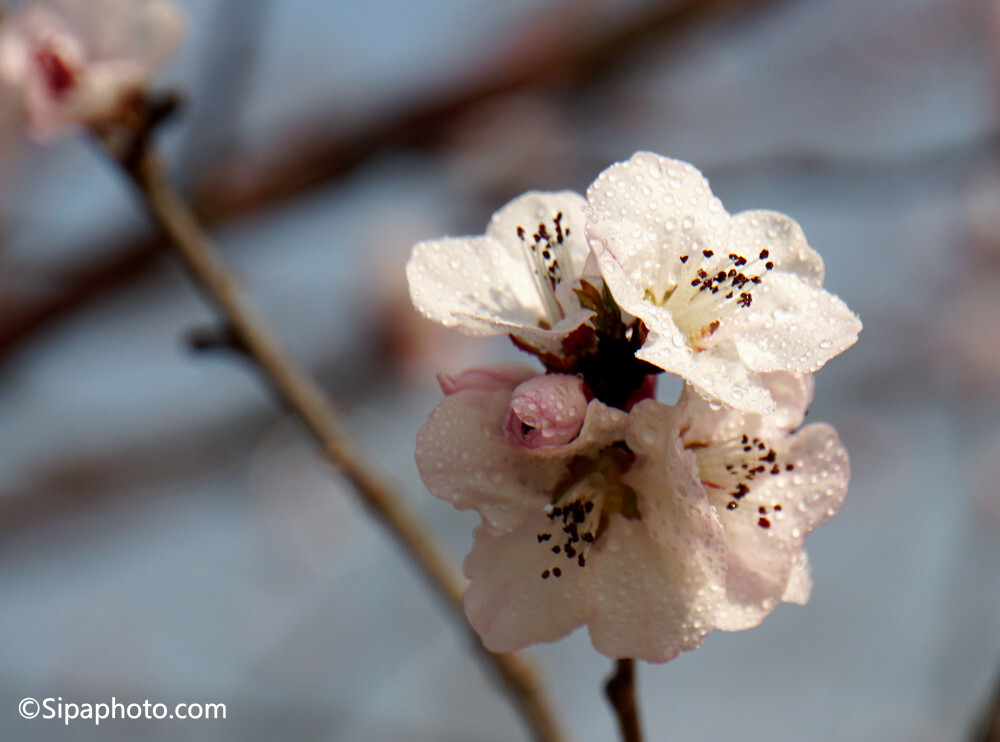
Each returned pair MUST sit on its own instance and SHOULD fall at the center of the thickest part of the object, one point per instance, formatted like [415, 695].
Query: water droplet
[783, 314]
[648, 435]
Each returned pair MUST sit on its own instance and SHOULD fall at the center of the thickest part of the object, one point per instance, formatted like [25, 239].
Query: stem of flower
[307, 401]
[620, 690]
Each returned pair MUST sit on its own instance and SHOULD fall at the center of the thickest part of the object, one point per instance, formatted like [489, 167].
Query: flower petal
[503, 376]
[660, 578]
[792, 326]
[717, 375]
[508, 602]
[472, 284]
[782, 237]
[485, 285]
[763, 543]
[649, 211]
[536, 209]
[705, 422]
[464, 458]
[799, 587]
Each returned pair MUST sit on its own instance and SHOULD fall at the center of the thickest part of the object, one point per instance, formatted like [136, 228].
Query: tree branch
[620, 690]
[988, 727]
[314, 159]
[303, 396]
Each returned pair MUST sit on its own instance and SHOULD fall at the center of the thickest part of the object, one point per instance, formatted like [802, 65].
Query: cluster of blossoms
[651, 524]
[84, 61]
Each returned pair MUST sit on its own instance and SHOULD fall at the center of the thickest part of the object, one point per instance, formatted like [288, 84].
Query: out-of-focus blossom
[517, 278]
[771, 487]
[725, 298]
[611, 530]
[84, 61]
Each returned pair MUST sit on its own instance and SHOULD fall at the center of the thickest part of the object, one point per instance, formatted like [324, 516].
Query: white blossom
[517, 278]
[725, 298]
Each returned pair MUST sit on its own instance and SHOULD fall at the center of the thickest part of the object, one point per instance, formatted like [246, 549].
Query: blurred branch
[570, 62]
[300, 393]
[620, 690]
[988, 728]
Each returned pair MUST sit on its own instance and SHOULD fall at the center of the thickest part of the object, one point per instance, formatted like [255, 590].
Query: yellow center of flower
[709, 288]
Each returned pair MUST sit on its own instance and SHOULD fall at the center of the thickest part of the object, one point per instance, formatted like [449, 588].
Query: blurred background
[166, 533]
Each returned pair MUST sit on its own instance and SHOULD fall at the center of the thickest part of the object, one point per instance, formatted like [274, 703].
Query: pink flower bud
[546, 411]
[486, 378]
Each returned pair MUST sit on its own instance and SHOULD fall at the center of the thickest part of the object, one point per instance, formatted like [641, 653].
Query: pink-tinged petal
[465, 459]
[649, 211]
[706, 422]
[488, 285]
[546, 411]
[659, 578]
[503, 376]
[508, 602]
[782, 237]
[791, 326]
[765, 533]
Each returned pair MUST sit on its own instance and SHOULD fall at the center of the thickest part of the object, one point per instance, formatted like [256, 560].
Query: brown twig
[303, 396]
[988, 727]
[620, 690]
